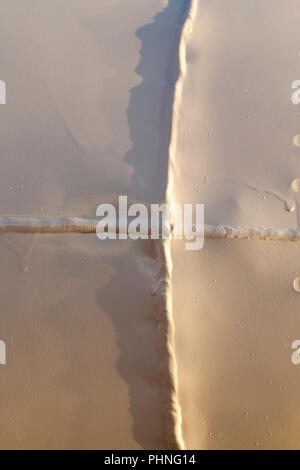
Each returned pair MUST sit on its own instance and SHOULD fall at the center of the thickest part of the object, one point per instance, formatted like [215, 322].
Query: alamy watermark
[296, 354]
[2, 92]
[154, 221]
[296, 94]
[2, 352]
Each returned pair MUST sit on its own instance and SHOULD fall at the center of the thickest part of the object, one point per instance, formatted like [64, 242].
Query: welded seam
[23, 224]
[163, 288]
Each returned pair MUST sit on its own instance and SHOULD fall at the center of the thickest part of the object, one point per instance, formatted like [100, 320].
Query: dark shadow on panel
[150, 118]
[151, 102]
